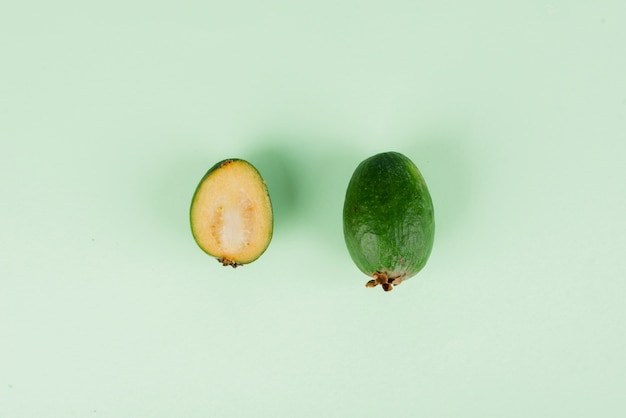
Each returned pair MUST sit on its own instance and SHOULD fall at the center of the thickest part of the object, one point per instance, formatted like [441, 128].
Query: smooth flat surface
[110, 114]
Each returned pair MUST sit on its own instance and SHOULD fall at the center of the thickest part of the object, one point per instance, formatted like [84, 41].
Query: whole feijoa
[388, 219]
[231, 213]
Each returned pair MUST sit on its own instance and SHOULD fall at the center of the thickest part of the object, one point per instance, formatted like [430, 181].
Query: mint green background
[111, 112]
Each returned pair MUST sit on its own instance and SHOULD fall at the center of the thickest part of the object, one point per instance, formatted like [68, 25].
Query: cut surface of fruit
[231, 213]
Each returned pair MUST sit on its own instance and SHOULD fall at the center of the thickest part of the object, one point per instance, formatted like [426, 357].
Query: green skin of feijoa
[388, 219]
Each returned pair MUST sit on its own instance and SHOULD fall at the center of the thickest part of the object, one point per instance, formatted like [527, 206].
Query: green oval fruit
[231, 213]
[388, 219]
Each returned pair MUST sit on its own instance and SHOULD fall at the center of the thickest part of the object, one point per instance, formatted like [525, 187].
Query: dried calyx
[226, 262]
[383, 279]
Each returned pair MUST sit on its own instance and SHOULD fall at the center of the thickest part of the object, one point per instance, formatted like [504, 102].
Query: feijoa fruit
[388, 219]
[231, 213]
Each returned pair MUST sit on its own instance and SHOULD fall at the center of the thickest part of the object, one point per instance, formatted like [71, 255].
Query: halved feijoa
[388, 219]
[231, 213]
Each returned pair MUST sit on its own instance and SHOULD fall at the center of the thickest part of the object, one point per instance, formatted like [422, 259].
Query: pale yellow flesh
[231, 214]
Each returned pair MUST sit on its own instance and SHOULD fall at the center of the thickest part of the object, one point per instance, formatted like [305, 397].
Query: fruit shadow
[448, 167]
[281, 171]
[307, 183]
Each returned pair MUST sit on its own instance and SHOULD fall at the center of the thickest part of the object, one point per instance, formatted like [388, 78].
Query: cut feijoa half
[231, 213]
[388, 219]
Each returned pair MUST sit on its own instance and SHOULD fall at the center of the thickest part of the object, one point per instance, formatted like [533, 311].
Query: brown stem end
[228, 262]
[383, 279]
